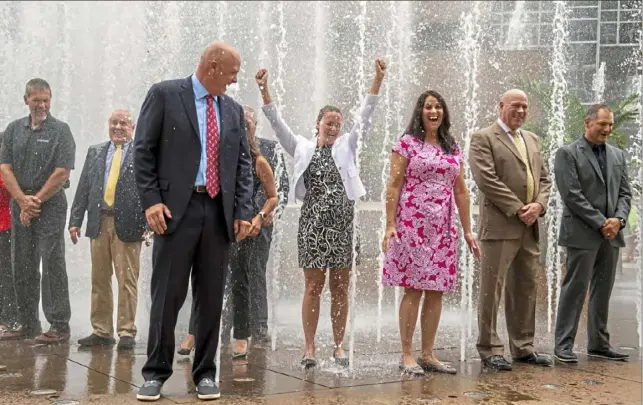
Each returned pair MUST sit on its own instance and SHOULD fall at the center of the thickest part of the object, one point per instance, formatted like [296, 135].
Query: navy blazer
[129, 220]
[167, 153]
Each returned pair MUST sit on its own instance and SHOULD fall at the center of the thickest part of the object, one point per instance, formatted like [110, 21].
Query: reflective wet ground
[67, 374]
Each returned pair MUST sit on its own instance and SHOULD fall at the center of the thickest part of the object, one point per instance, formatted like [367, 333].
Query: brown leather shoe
[52, 337]
[12, 334]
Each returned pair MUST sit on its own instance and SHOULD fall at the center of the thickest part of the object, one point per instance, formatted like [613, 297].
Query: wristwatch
[622, 222]
[262, 215]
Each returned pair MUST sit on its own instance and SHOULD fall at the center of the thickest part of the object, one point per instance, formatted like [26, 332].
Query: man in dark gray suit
[592, 180]
[115, 224]
[194, 175]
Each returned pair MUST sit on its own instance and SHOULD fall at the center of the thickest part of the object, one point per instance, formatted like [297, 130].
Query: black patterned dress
[325, 237]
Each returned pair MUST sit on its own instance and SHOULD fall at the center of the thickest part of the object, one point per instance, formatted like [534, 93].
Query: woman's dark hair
[416, 127]
[324, 110]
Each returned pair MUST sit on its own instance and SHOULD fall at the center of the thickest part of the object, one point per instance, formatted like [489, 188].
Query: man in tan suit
[508, 168]
[115, 224]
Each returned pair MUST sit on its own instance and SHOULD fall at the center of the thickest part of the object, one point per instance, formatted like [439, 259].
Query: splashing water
[281, 50]
[598, 83]
[470, 52]
[361, 92]
[515, 31]
[385, 155]
[217, 357]
[319, 70]
[556, 134]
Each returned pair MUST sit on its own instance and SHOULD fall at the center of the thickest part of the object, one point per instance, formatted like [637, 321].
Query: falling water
[280, 49]
[470, 52]
[361, 92]
[319, 68]
[516, 27]
[385, 156]
[598, 83]
[556, 134]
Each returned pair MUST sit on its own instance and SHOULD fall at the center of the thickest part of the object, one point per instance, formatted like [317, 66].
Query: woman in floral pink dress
[426, 186]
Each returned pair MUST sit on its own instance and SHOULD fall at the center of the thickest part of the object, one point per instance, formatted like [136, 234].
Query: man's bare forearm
[54, 184]
[11, 183]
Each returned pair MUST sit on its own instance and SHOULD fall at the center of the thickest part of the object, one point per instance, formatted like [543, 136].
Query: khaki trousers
[106, 250]
[510, 265]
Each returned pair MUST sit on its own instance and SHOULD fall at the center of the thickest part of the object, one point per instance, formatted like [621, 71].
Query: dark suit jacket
[582, 189]
[129, 219]
[168, 151]
[267, 149]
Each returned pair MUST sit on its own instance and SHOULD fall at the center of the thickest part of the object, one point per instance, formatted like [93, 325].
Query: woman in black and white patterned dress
[327, 181]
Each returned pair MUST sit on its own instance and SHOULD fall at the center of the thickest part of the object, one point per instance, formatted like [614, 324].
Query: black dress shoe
[126, 343]
[535, 359]
[95, 340]
[497, 362]
[608, 354]
[565, 356]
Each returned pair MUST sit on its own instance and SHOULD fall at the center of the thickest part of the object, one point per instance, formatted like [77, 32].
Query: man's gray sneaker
[150, 391]
[207, 390]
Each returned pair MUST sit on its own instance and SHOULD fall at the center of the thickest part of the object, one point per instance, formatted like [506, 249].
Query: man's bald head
[513, 108]
[219, 65]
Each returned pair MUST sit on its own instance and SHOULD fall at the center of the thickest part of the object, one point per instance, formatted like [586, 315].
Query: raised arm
[284, 134]
[484, 174]
[363, 120]
[571, 192]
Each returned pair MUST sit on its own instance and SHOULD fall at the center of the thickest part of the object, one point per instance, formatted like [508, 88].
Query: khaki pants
[125, 256]
[510, 266]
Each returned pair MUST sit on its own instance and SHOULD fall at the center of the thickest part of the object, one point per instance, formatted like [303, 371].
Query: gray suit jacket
[129, 218]
[583, 188]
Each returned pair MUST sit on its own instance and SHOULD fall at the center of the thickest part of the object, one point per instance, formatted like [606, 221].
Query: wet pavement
[67, 374]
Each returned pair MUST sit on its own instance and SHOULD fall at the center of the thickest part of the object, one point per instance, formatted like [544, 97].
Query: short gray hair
[36, 84]
[592, 111]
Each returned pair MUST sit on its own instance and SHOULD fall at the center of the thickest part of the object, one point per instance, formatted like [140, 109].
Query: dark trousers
[200, 243]
[43, 239]
[596, 269]
[8, 304]
[247, 299]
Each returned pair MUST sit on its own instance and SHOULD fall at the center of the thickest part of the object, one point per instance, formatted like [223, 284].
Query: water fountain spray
[281, 50]
[470, 52]
[556, 135]
[361, 92]
[598, 83]
[385, 156]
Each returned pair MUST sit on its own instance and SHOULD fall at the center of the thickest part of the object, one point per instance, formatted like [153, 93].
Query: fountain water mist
[319, 69]
[598, 83]
[556, 135]
[277, 232]
[516, 26]
[470, 52]
[361, 92]
[385, 156]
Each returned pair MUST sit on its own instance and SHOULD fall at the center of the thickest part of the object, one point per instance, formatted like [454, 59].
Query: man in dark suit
[193, 171]
[115, 224]
[592, 179]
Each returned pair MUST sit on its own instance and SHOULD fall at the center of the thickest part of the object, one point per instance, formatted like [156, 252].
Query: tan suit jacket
[501, 177]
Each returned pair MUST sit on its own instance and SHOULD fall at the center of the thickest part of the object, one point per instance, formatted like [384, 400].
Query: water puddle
[592, 382]
[40, 393]
[551, 386]
[244, 379]
[11, 375]
[429, 400]
[475, 394]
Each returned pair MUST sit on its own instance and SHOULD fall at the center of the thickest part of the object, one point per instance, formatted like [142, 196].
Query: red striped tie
[212, 146]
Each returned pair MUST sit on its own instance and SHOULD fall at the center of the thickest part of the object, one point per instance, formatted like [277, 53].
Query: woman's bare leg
[430, 319]
[409, 308]
[315, 280]
[339, 280]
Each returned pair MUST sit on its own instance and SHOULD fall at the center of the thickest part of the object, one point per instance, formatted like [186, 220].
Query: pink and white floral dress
[425, 258]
